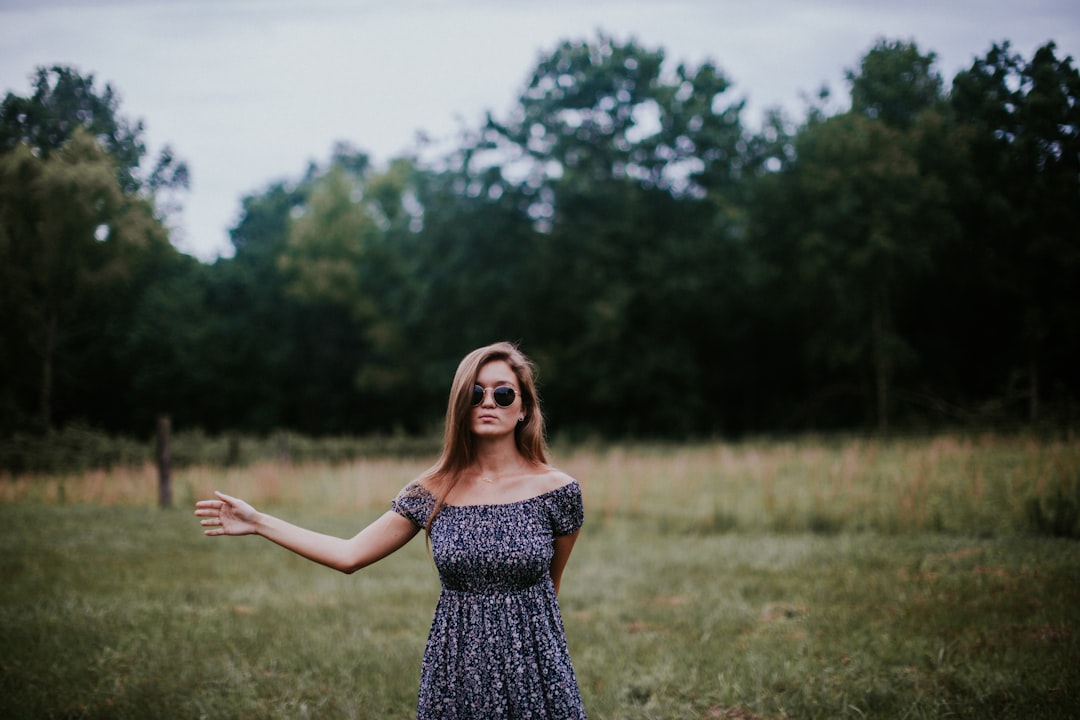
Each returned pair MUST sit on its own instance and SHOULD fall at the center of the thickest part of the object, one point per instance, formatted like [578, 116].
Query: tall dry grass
[357, 485]
[986, 485]
[979, 485]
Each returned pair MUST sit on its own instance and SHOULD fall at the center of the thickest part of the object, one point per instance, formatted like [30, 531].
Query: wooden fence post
[283, 447]
[164, 425]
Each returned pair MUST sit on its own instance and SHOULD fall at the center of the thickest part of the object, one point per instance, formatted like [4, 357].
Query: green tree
[177, 348]
[865, 213]
[63, 100]
[82, 227]
[1023, 211]
[895, 83]
[864, 234]
[630, 175]
[341, 263]
[68, 234]
[262, 319]
[221, 346]
[471, 271]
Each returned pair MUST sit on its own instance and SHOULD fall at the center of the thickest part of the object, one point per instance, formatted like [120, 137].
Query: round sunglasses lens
[477, 395]
[504, 396]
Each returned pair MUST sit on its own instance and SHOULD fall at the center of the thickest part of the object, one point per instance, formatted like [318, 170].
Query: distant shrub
[1055, 516]
[78, 448]
[74, 448]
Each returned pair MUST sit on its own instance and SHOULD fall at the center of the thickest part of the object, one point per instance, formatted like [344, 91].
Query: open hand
[226, 516]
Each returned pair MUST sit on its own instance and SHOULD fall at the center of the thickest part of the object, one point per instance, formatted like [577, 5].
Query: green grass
[758, 581]
[121, 612]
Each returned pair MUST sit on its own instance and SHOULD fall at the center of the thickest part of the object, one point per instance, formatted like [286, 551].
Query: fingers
[227, 498]
[215, 513]
[210, 512]
[211, 520]
[209, 507]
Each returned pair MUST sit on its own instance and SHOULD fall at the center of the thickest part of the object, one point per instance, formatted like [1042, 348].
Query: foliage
[65, 101]
[80, 237]
[1025, 124]
[78, 449]
[632, 189]
[71, 236]
[908, 263]
[895, 84]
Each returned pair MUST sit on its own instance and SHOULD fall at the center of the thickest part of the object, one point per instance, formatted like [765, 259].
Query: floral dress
[497, 648]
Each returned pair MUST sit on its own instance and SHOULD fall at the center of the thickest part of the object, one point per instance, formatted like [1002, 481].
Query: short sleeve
[565, 508]
[415, 503]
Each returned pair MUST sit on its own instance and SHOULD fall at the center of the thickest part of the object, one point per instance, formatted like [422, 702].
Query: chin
[491, 430]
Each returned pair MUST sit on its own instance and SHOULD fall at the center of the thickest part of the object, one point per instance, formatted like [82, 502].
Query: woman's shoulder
[550, 479]
[414, 502]
[563, 501]
[416, 488]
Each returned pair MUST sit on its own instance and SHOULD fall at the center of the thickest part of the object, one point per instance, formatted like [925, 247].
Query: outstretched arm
[232, 516]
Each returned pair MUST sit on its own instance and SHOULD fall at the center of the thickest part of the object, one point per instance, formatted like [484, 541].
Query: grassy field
[811, 579]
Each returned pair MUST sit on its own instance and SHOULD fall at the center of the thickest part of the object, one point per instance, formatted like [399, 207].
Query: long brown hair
[459, 443]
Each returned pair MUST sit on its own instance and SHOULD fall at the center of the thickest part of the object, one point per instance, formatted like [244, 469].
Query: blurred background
[700, 223]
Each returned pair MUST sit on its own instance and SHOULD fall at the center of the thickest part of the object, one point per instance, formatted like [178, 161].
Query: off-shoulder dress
[497, 647]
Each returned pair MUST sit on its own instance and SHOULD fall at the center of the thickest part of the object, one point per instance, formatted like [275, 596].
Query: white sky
[250, 91]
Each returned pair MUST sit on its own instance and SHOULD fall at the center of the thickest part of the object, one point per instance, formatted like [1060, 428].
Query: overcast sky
[250, 91]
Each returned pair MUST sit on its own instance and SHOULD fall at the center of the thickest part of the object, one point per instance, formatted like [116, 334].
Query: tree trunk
[164, 427]
[47, 352]
[882, 365]
[1033, 389]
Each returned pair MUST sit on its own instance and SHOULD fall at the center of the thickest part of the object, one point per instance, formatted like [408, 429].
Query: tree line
[909, 261]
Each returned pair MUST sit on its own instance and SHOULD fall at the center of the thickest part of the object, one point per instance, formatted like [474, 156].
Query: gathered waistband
[492, 592]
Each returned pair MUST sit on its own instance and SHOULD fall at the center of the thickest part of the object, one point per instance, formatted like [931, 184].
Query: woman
[501, 524]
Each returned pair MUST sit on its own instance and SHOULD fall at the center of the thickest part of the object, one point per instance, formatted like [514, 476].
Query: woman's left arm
[564, 544]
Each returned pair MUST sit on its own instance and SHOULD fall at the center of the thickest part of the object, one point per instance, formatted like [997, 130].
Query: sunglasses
[503, 396]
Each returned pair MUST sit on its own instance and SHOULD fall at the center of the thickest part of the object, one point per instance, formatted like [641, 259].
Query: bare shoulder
[551, 478]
